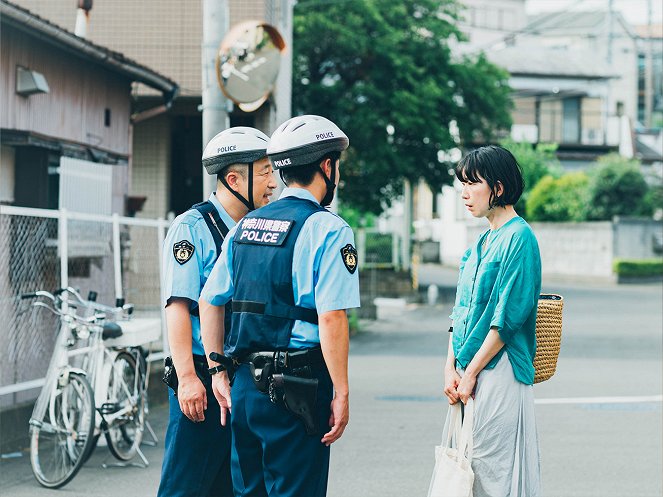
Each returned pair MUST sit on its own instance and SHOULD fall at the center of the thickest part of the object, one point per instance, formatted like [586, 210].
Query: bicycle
[109, 379]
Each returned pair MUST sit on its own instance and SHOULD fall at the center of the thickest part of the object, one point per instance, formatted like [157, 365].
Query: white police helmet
[302, 140]
[238, 145]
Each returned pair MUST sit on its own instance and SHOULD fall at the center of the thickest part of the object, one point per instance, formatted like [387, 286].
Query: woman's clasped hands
[458, 388]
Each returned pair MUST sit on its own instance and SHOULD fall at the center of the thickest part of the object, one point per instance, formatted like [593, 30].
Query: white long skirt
[506, 446]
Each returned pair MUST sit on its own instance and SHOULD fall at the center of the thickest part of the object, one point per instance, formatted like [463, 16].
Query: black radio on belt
[225, 364]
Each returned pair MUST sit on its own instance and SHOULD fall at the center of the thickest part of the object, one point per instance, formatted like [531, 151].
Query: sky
[635, 11]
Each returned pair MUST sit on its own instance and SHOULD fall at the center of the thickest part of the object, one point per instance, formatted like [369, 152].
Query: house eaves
[582, 23]
[35, 26]
[539, 61]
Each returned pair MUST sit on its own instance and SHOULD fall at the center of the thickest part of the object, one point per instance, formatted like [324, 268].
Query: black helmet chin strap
[331, 185]
[250, 204]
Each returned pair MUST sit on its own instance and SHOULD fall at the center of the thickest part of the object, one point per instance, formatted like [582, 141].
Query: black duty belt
[280, 311]
[286, 360]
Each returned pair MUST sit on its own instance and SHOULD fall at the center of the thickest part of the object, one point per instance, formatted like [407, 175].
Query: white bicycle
[95, 384]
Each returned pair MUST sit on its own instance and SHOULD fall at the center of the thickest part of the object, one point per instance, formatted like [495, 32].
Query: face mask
[331, 186]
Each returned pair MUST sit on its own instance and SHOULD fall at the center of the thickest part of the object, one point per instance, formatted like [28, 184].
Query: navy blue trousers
[196, 462]
[272, 456]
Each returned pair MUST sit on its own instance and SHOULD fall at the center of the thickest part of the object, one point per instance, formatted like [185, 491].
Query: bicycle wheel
[61, 441]
[124, 409]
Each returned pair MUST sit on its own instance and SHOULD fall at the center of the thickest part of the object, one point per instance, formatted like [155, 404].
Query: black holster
[199, 364]
[298, 395]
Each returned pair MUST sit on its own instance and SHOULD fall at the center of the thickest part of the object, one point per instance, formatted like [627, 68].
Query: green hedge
[634, 268]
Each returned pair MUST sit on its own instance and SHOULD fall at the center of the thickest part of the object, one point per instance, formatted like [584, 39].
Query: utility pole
[649, 83]
[608, 59]
[214, 106]
[406, 249]
[610, 32]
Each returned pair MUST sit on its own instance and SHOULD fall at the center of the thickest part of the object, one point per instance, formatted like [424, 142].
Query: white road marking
[601, 400]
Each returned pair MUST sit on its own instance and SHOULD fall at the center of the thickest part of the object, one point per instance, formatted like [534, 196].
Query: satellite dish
[248, 63]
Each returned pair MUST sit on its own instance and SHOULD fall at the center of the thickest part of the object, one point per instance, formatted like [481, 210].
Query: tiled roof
[544, 61]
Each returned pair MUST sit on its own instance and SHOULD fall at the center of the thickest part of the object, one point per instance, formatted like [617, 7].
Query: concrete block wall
[638, 238]
[576, 249]
[570, 249]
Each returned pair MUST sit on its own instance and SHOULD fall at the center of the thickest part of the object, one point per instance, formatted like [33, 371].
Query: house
[66, 143]
[561, 96]
[573, 72]
[167, 175]
[606, 36]
[66, 104]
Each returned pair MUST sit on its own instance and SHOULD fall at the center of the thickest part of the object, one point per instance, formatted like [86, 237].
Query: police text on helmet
[229, 148]
[324, 136]
[281, 163]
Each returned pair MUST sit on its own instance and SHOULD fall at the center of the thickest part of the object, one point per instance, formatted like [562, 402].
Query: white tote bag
[453, 475]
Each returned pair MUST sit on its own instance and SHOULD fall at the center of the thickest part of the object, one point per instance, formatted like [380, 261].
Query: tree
[617, 188]
[559, 199]
[536, 163]
[383, 70]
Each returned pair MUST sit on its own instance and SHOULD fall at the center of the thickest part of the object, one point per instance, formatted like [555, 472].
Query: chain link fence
[46, 250]
[30, 262]
[382, 272]
[378, 250]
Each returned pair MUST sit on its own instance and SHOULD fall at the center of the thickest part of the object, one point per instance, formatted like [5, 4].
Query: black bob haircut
[303, 175]
[496, 165]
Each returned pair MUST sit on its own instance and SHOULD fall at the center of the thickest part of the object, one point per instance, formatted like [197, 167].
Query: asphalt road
[599, 418]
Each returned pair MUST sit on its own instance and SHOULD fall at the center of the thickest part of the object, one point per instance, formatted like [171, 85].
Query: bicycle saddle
[111, 330]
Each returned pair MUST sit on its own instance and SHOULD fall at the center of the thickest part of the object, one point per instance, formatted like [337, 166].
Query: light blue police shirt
[186, 279]
[320, 279]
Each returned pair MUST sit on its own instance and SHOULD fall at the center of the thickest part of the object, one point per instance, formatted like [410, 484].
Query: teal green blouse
[499, 286]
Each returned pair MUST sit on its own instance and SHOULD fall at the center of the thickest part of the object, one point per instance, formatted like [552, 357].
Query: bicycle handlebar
[79, 300]
[89, 303]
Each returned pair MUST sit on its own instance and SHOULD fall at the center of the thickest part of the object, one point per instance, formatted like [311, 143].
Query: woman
[492, 347]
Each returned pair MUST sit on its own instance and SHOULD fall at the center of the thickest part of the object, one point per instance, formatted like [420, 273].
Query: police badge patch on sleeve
[349, 255]
[183, 251]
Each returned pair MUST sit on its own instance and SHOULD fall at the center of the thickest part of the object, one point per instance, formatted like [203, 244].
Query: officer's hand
[192, 397]
[451, 381]
[340, 415]
[221, 389]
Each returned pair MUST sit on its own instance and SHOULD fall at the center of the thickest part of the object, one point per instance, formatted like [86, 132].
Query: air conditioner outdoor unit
[591, 136]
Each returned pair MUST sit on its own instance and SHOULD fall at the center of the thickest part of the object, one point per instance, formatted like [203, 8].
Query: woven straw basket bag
[548, 336]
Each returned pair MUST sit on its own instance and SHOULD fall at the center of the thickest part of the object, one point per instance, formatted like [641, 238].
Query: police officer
[197, 456]
[290, 269]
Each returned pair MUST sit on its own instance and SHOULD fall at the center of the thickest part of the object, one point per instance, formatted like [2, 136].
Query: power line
[531, 27]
